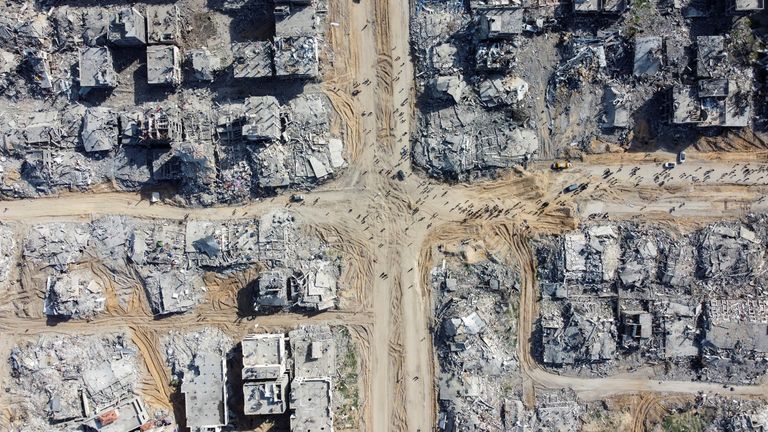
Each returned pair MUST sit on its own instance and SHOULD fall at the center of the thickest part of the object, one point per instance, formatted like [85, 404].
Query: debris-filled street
[345, 215]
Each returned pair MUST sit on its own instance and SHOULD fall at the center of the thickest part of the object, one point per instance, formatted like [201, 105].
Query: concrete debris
[100, 129]
[127, 27]
[204, 64]
[163, 65]
[169, 259]
[59, 381]
[474, 340]
[163, 24]
[620, 296]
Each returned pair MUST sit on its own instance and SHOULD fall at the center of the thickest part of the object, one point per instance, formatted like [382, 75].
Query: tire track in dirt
[356, 256]
[398, 419]
[157, 390]
[362, 336]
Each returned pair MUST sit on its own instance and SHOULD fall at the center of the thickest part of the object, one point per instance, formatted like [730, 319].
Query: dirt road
[400, 221]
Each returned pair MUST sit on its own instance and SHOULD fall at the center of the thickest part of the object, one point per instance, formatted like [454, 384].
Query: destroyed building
[293, 20]
[458, 140]
[77, 293]
[100, 129]
[666, 283]
[163, 24]
[721, 97]
[163, 64]
[296, 57]
[96, 69]
[204, 64]
[169, 258]
[65, 381]
[127, 27]
[475, 341]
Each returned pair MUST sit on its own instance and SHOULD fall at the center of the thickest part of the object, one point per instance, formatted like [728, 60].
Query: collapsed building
[258, 146]
[619, 296]
[78, 382]
[169, 258]
[722, 95]
[458, 139]
[475, 337]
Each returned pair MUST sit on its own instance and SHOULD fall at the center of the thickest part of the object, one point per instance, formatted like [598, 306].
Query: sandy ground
[387, 228]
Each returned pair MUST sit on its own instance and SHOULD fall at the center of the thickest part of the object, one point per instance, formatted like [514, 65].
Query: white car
[669, 165]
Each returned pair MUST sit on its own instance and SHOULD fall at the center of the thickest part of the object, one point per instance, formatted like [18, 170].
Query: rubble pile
[59, 382]
[580, 77]
[475, 336]
[713, 412]
[180, 348]
[8, 251]
[69, 261]
[473, 121]
[619, 296]
[72, 120]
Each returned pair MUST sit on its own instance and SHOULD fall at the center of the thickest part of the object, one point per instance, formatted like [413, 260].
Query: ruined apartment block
[163, 24]
[100, 129]
[127, 27]
[205, 394]
[96, 68]
[163, 65]
[252, 59]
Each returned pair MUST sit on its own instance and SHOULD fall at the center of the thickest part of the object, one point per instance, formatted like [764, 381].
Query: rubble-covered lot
[302, 369]
[88, 382]
[149, 95]
[502, 82]
[475, 337]
[64, 383]
[619, 297]
[78, 265]
[706, 412]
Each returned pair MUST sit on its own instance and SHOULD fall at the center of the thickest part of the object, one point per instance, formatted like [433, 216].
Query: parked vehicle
[561, 165]
[669, 165]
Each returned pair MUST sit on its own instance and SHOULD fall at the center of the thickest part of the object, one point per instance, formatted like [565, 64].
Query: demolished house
[163, 64]
[96, 69]
[475, 341]
[66, 381]
[163, 24]
[665, 283]
[204, 64]
[722, 96]
[100, 129]
[127, 27]
[296, 57]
